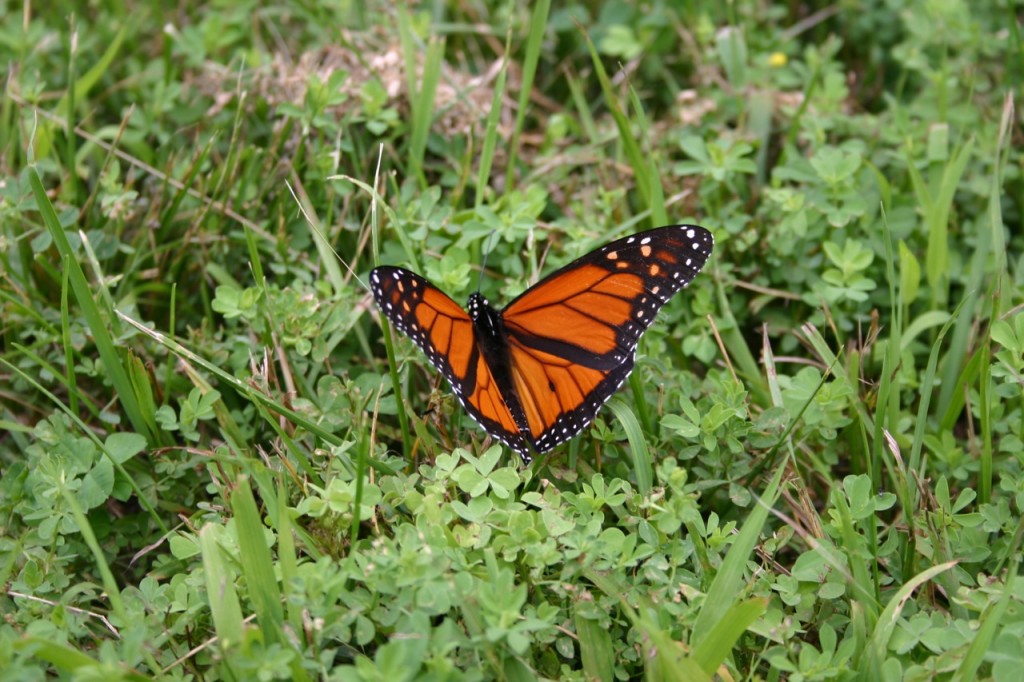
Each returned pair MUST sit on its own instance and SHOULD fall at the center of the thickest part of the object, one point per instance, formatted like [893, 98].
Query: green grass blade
[968, 377]
[771, 373]
[1000, 283]
[287, 558]
[636, 384]
[627, 138]
[728, 582]
[220, 589]
[389, 340]
[927, 387]
[257, 564]
[985, 400]
[69, 354]
[67, 659]
[595, 648]
[876, 653]
[112, 359]
[821, 347]
[655, 192]
[582, 108]
[538, 25]
[185, 187]
[663, 655]
[641, 453]
[924, 322]
[328, 257]
[937, 217]
[491, 130]
[975, 271]
[889, 402]
[70, 188]
[412, 252]
[142, 389]
[713, 649]
[83, 85]
[736, 344]
[422, 88]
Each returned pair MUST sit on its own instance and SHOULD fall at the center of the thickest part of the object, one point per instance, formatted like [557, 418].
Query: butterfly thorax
[489, 328]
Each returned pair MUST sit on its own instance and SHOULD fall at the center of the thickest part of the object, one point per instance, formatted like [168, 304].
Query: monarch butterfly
[536, 373]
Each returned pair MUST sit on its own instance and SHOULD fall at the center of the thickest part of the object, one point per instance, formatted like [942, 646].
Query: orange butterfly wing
[443, 330]
[572, 336]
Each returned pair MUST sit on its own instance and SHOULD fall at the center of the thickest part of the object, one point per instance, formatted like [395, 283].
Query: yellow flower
[777, 59]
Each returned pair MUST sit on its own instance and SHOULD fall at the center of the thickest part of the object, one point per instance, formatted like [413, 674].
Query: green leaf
[97, 484]
[503, 481]
[123, 446]
[1006, 336]
[731, 47]
[681, 425]
[620, 41]
[183, 546]
[859, 492]
[470, 481]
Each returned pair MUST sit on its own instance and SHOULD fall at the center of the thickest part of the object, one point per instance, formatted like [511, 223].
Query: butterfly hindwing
[573, 335]
[560, 397]
[444, 332]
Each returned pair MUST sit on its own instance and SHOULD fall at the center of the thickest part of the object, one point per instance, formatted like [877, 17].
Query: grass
[217, 463]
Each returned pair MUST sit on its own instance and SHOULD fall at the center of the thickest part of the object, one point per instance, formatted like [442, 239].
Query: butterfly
[535, 373]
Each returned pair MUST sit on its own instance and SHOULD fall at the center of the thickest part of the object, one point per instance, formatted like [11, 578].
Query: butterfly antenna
[323, 238]
[483, 267]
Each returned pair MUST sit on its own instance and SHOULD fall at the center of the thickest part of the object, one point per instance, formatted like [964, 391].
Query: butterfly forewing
[573, 335]
[444, 332]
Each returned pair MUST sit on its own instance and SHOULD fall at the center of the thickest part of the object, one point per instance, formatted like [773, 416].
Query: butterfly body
[492, 340]
[536, 372]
